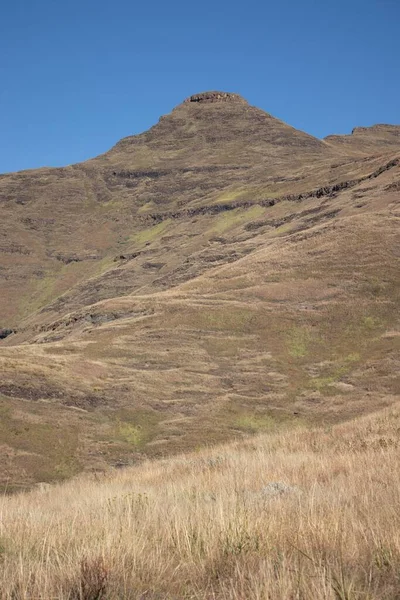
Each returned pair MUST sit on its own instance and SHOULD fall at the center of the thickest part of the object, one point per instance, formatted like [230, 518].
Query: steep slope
[239, 276]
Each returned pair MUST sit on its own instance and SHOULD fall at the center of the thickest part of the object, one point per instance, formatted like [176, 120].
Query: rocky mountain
[218, 275]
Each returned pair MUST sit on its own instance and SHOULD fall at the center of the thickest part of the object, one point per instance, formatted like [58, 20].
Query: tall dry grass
[203, 527]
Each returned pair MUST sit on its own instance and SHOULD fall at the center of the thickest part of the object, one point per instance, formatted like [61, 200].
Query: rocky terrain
[219, 275]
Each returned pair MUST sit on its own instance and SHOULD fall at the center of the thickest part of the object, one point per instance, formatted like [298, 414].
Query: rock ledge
[215, 97]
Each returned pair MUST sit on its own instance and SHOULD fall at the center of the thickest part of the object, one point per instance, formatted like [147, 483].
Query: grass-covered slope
[308, 513]
[288, 315]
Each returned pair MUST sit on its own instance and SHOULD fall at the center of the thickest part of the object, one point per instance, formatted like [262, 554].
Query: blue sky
[77, 76]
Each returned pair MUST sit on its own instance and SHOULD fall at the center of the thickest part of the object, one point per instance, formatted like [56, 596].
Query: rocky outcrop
[329, 191]
[5, 333]
[215, 97]
[157, 173]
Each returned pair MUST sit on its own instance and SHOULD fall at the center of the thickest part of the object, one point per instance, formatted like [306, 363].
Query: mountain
[218, 275]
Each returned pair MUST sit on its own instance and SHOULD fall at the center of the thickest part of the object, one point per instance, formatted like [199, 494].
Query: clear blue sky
[77, 76]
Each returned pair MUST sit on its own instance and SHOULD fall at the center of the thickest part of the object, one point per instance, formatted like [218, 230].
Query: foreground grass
[207, 525]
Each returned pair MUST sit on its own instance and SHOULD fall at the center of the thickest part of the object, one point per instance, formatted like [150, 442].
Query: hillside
[300, 514]
[219, 275]
[368, 140]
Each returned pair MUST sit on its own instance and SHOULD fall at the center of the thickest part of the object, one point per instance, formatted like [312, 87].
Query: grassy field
[302, 514]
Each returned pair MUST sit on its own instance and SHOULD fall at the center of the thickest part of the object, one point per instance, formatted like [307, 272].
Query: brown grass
[201, 527]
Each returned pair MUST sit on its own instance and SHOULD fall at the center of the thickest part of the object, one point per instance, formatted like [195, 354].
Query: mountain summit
[218, 275]
[206, 97]
[219, 128]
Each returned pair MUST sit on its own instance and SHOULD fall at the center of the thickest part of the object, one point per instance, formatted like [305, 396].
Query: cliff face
[217, 275]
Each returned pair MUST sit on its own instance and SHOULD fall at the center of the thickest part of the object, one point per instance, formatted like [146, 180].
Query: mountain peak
[216, 127]
[215, 96]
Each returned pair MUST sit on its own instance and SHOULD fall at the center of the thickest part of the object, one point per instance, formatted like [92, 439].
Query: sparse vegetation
[129, 433]
[46, 451]
[298, 340]
[150, 234]
[238, 216]
[256, 423]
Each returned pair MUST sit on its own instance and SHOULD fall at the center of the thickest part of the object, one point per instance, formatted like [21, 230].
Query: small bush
[93, 578]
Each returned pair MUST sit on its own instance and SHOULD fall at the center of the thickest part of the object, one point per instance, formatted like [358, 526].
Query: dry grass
[200, 526]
